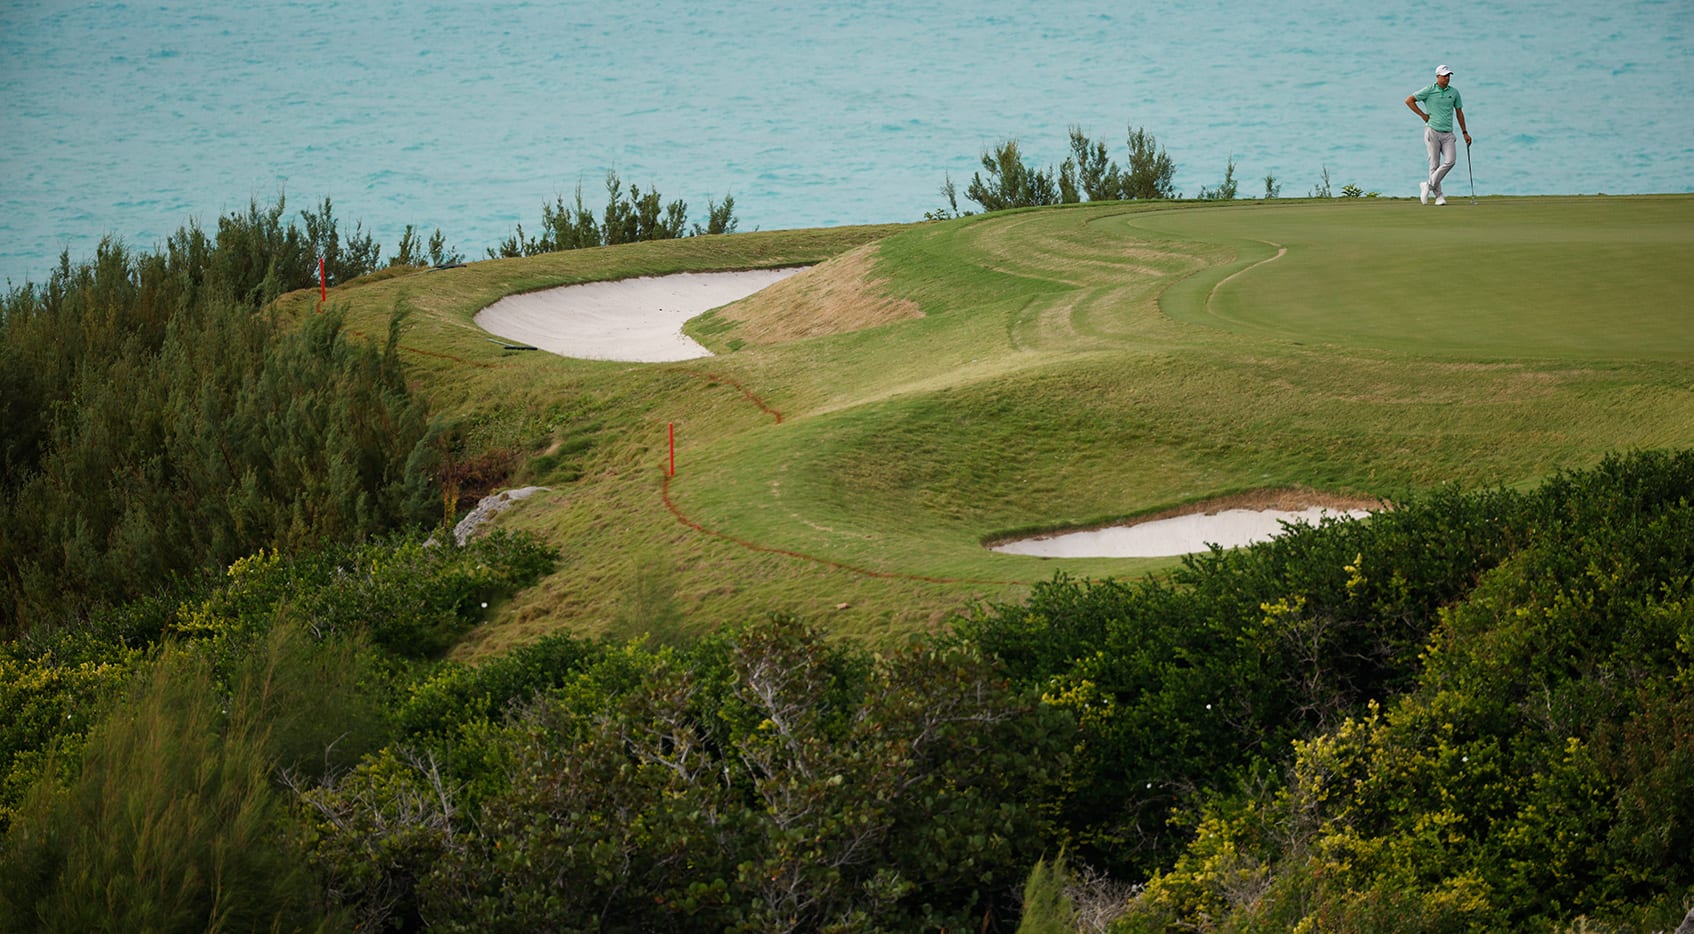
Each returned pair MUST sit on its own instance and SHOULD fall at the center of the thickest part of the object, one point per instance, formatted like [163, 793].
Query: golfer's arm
[1412, 102]
[1460, 113]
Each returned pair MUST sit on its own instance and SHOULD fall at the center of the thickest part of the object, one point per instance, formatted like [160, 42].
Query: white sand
[635, 320]
[1162, 538]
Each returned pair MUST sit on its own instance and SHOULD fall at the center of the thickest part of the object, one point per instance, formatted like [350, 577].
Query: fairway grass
[1042, 370]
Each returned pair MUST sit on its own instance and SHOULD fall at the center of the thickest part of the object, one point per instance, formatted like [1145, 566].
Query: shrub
[456, 694]
[1179, 686]
[1538, 772]
[172, 822]
[629, 217]
[1226, 189]
[1087, 172]
[1149, 171]
[764, 778]
[188, 429]
[343, 261]
[1046, 907]
[1011, 183]
[411, 596]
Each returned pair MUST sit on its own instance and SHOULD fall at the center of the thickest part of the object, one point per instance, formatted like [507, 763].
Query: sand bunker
[633, 320]
[1177, 535]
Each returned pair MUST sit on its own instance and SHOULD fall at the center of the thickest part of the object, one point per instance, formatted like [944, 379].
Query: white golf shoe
[1423, 192]
[1440, 199]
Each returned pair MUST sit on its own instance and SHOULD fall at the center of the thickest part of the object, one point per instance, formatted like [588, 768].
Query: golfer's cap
[1442, 70]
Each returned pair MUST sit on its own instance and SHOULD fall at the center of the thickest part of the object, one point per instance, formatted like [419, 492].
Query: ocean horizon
[134, 120]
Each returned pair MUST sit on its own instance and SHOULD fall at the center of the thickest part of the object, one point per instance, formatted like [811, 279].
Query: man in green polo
[1444, 104]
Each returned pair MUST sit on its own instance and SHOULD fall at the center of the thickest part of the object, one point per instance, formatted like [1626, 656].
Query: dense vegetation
[148, 752]
[1471, 712]
[161, 419]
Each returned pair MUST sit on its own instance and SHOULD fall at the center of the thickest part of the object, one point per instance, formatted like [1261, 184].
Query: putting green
[1589, 278]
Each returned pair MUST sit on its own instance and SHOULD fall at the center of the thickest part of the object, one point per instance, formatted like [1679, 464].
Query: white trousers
[1443, 155]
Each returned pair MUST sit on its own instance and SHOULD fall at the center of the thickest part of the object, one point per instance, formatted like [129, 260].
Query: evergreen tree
[164, 422]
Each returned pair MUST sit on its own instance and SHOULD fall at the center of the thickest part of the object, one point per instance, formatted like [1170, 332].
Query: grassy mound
[930, 387]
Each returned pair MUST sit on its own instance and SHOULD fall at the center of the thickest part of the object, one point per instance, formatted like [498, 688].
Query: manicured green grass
[1575, 278]
[1071, 367]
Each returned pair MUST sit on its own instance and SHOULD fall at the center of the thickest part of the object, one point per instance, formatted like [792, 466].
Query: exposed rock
[487, 508]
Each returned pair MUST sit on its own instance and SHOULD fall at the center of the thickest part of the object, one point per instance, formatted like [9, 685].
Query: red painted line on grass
[748, 393]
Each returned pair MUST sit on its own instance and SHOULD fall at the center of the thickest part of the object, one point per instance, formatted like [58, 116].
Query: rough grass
[838, 296]
[871, 424]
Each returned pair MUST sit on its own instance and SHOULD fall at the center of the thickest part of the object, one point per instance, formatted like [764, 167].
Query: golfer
[1444, 104]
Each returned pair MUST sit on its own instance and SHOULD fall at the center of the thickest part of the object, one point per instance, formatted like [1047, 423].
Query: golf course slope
[867, 426]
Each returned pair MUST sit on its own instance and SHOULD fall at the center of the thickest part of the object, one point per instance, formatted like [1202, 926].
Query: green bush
[630, 216]
[1539, 770]
[188, 428]
[1182, 684]
[1011, 183]
[1088, 173]
[456, 693]
[56, 684]
[411, 596]
[1046, 907]
[172, 822]
[372, 834]
[764, 779]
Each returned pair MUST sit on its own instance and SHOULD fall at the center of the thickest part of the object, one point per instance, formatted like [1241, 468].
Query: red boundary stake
[323, 285]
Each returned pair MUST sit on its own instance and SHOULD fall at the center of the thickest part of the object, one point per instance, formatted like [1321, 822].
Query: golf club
[1471, 172]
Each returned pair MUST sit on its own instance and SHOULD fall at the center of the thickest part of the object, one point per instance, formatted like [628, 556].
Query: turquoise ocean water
[132, 118]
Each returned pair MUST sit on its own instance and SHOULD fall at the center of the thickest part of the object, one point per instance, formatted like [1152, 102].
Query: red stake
[323, 286]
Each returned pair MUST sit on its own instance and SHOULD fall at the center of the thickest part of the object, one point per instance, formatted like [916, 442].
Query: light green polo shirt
[1441, 102]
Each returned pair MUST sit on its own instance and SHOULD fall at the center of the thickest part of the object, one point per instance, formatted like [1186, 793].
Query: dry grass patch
[835, 297]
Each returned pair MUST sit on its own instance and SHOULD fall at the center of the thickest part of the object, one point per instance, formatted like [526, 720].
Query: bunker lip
[636, 320]
[1229, 522]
